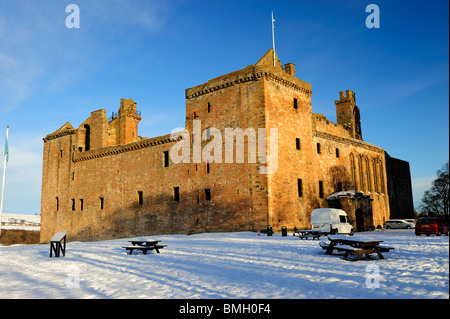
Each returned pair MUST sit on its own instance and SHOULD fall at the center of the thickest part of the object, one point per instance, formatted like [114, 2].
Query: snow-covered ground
[228, 265]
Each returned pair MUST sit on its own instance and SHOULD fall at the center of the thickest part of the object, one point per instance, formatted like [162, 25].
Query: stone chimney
[290, 68]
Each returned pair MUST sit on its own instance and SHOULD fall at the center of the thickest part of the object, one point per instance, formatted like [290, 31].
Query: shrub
[19, 236]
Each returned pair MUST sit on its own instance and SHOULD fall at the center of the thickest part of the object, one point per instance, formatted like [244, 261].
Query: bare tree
[435, 201]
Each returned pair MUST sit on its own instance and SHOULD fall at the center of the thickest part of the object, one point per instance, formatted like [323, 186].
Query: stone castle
[102, 180]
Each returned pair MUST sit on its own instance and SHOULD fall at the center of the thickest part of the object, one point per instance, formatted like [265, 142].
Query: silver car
[397, 223]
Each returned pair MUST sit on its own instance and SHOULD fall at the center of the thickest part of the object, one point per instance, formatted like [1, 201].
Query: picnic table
[309, 233]
[353, 245]
[144, 246]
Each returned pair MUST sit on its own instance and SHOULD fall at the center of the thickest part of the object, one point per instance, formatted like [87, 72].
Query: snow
[228, 265]
[21, 221]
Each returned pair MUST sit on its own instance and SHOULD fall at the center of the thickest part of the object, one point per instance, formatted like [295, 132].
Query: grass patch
[19, 236]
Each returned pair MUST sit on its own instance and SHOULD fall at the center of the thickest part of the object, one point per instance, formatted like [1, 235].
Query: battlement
[348, 96]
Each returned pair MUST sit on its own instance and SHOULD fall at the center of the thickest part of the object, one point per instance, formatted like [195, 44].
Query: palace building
[101, 180]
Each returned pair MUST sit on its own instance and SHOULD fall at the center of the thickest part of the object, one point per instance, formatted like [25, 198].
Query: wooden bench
[58, 244]
[312, 236]
[144, 249]
[309, 233]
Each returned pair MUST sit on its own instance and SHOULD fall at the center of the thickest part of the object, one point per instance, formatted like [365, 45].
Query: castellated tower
[348, 114]
[102, 180]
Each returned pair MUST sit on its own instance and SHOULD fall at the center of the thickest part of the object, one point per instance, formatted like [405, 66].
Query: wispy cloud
[38, 53]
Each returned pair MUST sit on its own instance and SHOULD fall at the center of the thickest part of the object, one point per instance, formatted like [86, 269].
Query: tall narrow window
[81, 204]
[166, 158]
[297, 143]
[101, 202]
[337, 153]
[176, 194]
[295, 103]
[208, 133]
[383, 190]
[87, 138]
[207, 168]
[321, 189]
[362, 183]
[73, 203]
[300, 187]
[57, 203]
[209, 107]
[339, 187]
[207, 194]
[368, 175]
[375, 176]
[353, 170]
[318, 148]
[140, 198]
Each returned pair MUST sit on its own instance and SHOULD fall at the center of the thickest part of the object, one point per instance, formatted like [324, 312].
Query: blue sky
[152, 51]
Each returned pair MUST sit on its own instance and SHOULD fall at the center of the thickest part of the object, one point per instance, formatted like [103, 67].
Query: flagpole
[273, 39]
[5, 160]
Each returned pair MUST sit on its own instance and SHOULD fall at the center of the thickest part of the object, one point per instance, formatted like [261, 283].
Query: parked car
[412, 221]
[431, 225]
[331, 220]
[397, 223]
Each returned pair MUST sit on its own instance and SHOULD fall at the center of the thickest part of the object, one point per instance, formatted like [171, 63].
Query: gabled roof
[267, 60]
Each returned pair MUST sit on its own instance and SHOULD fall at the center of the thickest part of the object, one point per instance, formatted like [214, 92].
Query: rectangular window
[295, 103]
[194, 115]
[81, 204]
[208, 133]
[209, 107]
[207, 168]
[300, 187]
[321, 189]
[57, 203]
[297, 143]
[73, 203]
[339, 187]
[166, 158]
[101, 202]
[176, 194]
[337, 153]
[207, 194]
[140, 198]
[318, 148]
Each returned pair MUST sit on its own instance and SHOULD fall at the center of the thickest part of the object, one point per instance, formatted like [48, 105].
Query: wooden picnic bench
[144, 246]
[309, 233]
[354, 246]
[58, 244]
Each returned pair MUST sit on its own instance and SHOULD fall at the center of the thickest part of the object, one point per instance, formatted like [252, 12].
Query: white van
[331, 220]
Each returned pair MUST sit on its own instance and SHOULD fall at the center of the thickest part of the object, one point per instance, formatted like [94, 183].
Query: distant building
[102, 180]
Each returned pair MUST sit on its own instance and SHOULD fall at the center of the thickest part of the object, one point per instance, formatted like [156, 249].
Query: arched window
[383, 189]
[375, 175]
[353, 170]
[367, 168]
[361, 174]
